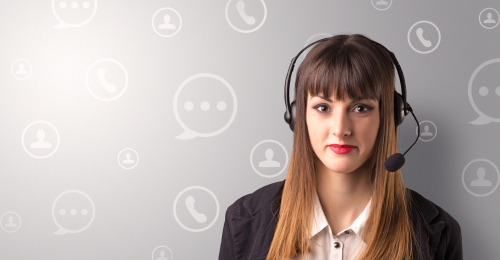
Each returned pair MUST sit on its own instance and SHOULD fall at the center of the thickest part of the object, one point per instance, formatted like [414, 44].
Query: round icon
[195, 207]
[483, 91]
[74, 14]
[166, 22]
[480, 178]
[243, 16]
[381, 5]
[73, 211]
[106, 79]
[489, 18]
[128, 158]
[267, 159]
[161, 254]
[9, 223]
[424, 131]
[41, 142]
[424, 37]
[205, 108]
[21, 69]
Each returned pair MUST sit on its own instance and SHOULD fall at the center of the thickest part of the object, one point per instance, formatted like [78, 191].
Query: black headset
[401, 107]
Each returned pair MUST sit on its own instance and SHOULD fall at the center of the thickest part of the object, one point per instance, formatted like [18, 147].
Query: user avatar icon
[426, 131]
[40, 139]
[273, 153]
[40, 143]
[381, 2]
[128, 158]
[480, 177]
[21, 69]
[159, 253]
[10, 222]
[269, 162]
[490, 19]
[481, 181]
[162, 256]
[167, 24]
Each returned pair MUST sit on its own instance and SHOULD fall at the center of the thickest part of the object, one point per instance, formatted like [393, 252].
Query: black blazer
[249, 227]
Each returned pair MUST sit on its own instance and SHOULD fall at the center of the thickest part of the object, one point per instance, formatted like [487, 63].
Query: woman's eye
[364, 109]
[319, 106]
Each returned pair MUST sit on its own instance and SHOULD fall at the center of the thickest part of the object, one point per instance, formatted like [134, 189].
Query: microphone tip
[394, 162]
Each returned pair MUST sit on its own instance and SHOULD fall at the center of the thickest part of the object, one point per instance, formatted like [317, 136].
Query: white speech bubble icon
[483, 118]
[73, 13]
[188, 132]
[63, 211]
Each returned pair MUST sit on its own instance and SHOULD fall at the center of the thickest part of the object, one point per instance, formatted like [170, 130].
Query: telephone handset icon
[420, 36]
[200, 217]
[240, 5]
[101, 72]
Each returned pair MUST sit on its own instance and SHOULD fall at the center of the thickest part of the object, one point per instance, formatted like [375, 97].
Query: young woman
[339, 203]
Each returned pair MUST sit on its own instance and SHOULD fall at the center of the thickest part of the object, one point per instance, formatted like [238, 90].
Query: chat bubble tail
[61, 26]
[61, 231]
[186, 135]
[482, 120]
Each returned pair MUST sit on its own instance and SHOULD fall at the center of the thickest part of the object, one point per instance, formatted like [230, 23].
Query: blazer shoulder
[431, 211]
[445, 234]
[250, 204]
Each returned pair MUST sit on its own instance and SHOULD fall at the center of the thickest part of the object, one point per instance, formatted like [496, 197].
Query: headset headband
[394, 60]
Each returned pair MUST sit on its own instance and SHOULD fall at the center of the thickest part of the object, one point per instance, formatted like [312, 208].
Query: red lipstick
[342, 149]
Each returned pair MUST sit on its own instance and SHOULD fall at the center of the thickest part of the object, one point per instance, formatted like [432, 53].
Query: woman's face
[335, 122]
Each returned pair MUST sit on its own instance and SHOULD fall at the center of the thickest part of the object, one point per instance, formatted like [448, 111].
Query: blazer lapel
[424, 209]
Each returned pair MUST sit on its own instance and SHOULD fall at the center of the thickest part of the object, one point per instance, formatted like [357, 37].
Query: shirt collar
[320, 222]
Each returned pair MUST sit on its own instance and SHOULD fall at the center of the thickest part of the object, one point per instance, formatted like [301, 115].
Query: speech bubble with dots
[205, 105]
[484, 92]
[73, 211]
[73, 13]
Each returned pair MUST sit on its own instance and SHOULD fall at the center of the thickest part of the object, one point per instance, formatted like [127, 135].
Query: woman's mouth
[339, 149]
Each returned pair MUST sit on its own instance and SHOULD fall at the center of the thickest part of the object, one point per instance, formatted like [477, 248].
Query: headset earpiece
[399, 113]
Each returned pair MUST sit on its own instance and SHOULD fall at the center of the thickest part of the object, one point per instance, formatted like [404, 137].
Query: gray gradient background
[134, 208]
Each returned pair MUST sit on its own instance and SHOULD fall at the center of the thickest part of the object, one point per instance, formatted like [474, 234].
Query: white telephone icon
[101, 72]
[420, 36]
[200, 217]
[240, 5]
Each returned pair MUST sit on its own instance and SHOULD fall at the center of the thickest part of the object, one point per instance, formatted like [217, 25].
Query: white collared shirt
[323, 236]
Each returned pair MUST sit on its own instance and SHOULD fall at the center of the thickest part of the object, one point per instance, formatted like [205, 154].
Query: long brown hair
[349, 66]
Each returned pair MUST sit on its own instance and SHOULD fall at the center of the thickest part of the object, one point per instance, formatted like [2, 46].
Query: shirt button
[347, 231]
[337, 245]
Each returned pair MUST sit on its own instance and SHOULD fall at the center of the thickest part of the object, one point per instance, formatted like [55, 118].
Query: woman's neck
[343, 196]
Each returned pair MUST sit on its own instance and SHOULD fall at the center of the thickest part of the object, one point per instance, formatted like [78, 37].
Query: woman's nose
[341, 123]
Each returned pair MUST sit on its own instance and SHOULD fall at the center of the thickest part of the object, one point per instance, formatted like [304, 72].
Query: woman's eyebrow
[329, 100]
